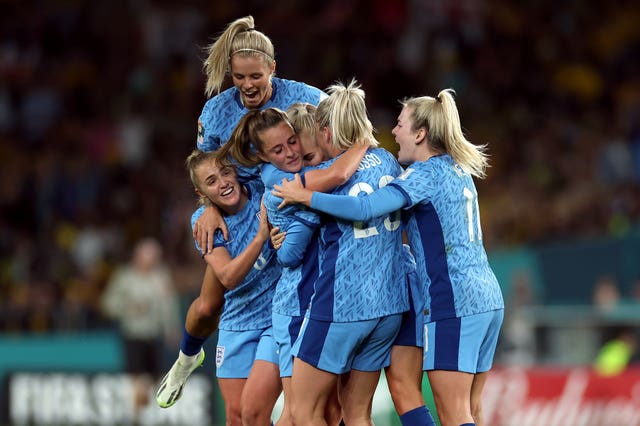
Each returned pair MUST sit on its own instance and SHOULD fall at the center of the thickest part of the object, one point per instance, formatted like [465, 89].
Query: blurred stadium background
[98, 109]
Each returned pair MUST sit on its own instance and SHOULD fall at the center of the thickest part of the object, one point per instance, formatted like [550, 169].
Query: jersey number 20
[391, 222]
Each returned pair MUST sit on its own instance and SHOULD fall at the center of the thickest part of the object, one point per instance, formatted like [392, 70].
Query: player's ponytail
[439, 117]
[246, 141]
[344, 112]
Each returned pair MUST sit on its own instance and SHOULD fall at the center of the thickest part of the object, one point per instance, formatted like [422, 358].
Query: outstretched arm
[378, 203]
[339, 172]
[231, 271]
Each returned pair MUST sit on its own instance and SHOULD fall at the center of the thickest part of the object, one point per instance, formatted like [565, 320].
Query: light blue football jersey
[361, 272]
[300, 247]
[444, 201]
[248, 306]
[221, 114]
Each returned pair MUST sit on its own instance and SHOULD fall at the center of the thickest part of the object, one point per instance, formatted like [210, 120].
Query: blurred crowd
[99, 102]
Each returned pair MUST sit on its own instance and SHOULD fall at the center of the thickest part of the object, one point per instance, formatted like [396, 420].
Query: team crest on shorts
[219, 355]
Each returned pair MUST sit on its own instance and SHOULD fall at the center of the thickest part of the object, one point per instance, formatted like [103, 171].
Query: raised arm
[339, 172]
[377, 203]
[231, 271]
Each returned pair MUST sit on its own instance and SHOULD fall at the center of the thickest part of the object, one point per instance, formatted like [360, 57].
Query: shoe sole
[175, 396]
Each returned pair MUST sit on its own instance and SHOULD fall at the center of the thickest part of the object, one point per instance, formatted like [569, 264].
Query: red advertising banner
[571, 396]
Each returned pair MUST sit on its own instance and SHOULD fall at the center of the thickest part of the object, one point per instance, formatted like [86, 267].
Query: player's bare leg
[452, 394]
[231, 390]
[476, 397]
[260, 393]
[357, 397]
[310, 390]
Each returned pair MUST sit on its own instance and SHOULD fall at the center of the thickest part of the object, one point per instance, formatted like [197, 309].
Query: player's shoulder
[255, 188]
[220, 101]
[196, 215]
[272, 175]
[384, 153]
[387, 159]
[291, 91]
[291, 84]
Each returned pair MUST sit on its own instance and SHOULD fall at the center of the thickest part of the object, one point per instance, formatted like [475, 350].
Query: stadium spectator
[141, 298]
[616, 354]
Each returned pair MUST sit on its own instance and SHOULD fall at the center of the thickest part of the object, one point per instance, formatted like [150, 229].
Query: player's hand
[205, 228]
[265, 226]
[292, 192]
[277, 237]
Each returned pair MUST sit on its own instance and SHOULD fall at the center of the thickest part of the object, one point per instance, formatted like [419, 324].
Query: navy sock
[417, 417]
[191, 345]
[468, 424]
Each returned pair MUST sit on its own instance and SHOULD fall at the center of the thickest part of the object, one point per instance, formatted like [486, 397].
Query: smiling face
[281, 148]
[252, 76]
[406, 138]
[220, 185]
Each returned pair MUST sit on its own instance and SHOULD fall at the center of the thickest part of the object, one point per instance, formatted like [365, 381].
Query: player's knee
[405, 394]
[207, 310]
[254, 412]
[476, 411]
[397, 388]
[297, 415]
[333, 414]
[234, 415]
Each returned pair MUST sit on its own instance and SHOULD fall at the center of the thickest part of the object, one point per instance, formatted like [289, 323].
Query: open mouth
[226, 192]
[251, 96]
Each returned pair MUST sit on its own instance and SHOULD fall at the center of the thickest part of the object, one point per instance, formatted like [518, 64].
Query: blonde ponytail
[439, 116]
[345, 113]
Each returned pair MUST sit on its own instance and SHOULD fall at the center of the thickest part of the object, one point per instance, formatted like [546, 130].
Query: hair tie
[252, 51]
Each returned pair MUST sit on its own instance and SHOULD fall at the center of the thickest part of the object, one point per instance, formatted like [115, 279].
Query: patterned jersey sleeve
[208, 139]
[295, 244]
[378, 203]
[416, 183]
[289, 92]
[218, 237]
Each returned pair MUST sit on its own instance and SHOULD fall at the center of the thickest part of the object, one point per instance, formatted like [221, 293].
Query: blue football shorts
[285, 331]
[339, 347]
[237, 350]
[411, 332]
[465, 344]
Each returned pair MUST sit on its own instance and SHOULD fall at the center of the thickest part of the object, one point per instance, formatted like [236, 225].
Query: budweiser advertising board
[569, 396]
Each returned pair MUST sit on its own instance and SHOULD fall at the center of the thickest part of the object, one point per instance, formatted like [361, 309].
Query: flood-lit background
[98, 108]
